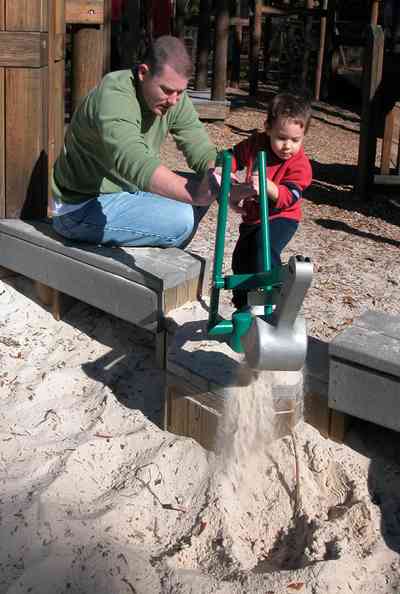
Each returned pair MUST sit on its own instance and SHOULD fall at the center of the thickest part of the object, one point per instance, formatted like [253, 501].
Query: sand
[94, 497]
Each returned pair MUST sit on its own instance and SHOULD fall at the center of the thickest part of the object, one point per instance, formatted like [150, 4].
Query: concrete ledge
[364, 378]
[139, 285]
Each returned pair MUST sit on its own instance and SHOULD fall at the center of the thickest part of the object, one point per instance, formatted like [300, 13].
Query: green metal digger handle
[241, 321]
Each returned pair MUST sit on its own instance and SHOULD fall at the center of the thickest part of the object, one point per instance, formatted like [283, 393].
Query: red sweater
[291, 176]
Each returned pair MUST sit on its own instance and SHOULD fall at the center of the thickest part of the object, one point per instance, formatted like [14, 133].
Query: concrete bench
[364, 373]
[140, 285]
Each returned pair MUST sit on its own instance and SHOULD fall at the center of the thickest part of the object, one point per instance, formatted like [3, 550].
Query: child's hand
[217, 173]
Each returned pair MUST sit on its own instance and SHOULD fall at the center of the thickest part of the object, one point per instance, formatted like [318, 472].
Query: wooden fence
[32, 75]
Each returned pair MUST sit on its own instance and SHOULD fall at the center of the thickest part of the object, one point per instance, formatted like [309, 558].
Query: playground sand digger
[96, 498]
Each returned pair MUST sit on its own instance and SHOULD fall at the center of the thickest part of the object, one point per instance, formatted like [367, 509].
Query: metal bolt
[91, 11]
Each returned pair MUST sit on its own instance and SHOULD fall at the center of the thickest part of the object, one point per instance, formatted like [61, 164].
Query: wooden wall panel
[84, 12]
[26, 15]
[56, 117]
[2, 15]
[107, 36]
[2, 145]
[26, 140]
[18, 49]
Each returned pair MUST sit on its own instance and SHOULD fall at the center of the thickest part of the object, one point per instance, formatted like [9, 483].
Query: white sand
[95, 498]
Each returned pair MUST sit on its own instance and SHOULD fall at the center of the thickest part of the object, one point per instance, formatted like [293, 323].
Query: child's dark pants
[247, 255]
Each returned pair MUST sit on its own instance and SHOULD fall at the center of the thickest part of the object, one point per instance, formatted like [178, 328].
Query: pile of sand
[95, 498]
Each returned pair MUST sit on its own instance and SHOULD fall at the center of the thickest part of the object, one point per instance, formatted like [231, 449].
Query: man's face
[163, 90]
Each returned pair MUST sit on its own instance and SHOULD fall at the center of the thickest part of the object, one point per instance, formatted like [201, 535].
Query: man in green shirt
[109, 185]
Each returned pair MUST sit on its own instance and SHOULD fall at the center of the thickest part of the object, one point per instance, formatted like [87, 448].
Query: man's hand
[206, 191]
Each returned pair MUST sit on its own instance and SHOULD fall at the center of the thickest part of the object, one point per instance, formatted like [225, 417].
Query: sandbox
[96, 498]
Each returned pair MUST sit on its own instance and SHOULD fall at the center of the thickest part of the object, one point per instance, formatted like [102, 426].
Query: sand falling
[282, 510]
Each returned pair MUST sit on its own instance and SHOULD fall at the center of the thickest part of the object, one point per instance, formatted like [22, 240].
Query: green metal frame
[265, 281]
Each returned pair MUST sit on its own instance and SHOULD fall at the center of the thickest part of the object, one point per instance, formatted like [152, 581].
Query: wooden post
[255, 44]
[180, 18]
[375, 12]
[2, 123]
[91, 41]
[387, 140]
[327, 47]
[131, 37]
[203, 45]
[220, 50]
[321, 50]
[31, 60]
[237, 47]
[87, 61]
[267, 33]
[372, 78]
[307, 44]
[56, 78]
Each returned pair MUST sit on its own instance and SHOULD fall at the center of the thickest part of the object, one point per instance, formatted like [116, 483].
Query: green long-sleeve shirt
[113, 142]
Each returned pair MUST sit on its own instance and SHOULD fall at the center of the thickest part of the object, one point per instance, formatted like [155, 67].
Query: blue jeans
[139, 219]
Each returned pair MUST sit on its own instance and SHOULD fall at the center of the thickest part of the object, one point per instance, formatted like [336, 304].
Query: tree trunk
[220, 50]
[203, 45]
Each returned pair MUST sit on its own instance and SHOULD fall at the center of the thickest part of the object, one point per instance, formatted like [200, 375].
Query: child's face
[286, 137]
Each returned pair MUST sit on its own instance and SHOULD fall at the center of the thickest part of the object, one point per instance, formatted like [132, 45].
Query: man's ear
[143, 71]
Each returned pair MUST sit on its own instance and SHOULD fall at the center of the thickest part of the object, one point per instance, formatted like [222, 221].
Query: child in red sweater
[288, 174]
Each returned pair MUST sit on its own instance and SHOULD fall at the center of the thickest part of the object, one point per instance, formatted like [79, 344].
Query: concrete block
[364, 378]
[365, 393]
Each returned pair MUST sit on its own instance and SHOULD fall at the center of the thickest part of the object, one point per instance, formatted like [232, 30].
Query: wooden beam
[255, 45]
[387, 180]
[2, 146]
[220, 50]
[23, 50]
[387, 141]
[203, 45]
[372, 78]
[2, 15]
[106, 28]
[375, 12]
[321, 52]
[26, 91]
[84, 12]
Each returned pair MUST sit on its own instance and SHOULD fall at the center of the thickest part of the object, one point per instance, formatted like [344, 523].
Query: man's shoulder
[119, 80]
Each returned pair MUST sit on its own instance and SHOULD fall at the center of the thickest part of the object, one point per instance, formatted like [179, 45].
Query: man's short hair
[289, 106]
[168, 50]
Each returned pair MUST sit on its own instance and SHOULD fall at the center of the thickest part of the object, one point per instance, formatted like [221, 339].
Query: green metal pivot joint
[263, 282]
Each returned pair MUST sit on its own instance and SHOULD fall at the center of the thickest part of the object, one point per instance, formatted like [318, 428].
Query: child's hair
[289, 106]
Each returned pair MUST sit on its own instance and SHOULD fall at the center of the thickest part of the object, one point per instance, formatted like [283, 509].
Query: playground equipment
[276, 339]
